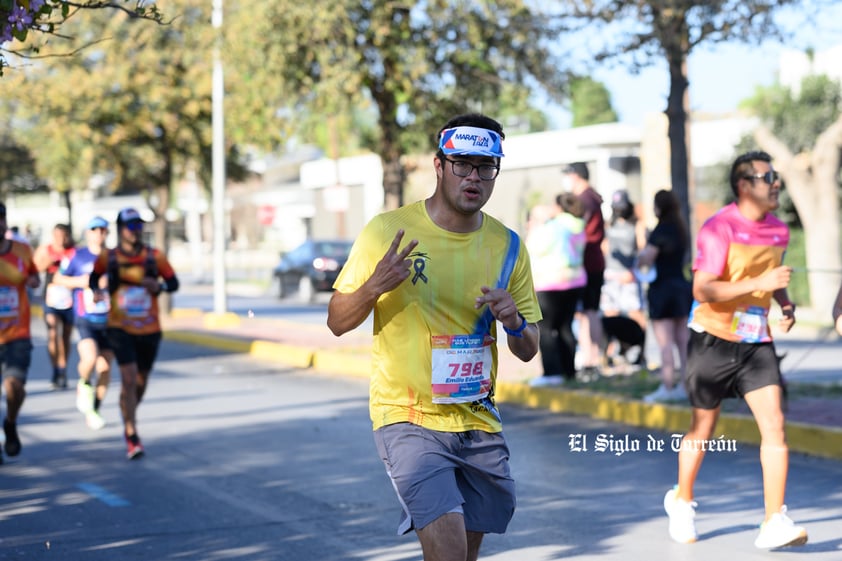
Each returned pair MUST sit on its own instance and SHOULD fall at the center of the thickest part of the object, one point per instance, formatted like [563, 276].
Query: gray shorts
[435, 473]
[15, 358]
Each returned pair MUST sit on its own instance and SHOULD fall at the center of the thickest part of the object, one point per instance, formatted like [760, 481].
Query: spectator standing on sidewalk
[436, 301]
[134, 272]
[670, 294]
[622, 293]
[17, 273]
[58, 301]
[556, 247]
[738, 271]
[91, 315]
[837, 312]
[576, 179]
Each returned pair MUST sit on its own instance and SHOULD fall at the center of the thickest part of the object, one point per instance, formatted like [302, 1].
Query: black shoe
[12, 441]
[59, 383]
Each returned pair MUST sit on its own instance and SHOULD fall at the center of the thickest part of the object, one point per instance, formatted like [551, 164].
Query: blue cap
[97, 222]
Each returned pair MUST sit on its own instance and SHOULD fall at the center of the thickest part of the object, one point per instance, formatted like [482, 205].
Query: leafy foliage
[412, 65]
[17, 168]
[638, 31]
[137, 104]
[590, 103]
[798, 117]
[19, 19]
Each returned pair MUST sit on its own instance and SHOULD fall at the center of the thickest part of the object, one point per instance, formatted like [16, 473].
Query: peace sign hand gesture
[394, 267]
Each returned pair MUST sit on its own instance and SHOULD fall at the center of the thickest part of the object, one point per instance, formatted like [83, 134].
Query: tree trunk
[394, 178]
[812, 184]
[160, 231]
[69, 204]
[677, 132]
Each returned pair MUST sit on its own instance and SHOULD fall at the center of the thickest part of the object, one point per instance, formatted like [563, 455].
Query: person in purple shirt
[95, 355]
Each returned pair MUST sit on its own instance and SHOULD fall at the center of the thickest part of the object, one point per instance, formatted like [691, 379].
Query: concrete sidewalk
[814, 424]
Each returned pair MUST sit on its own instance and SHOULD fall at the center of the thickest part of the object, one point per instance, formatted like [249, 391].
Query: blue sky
[721, 75]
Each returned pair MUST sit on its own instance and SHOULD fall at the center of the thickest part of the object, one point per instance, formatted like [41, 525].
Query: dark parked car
[311, 268]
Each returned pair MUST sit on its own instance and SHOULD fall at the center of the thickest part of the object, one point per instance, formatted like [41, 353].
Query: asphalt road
[250, 461]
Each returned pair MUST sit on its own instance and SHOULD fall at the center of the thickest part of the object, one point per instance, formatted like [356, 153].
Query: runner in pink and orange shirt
[738, 271]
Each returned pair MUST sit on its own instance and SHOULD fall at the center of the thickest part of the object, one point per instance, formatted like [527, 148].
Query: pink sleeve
[711, 249]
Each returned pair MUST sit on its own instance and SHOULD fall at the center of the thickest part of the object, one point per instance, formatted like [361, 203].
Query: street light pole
[218, 166]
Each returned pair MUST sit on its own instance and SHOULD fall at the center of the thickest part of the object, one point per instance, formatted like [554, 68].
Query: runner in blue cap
[90, 316]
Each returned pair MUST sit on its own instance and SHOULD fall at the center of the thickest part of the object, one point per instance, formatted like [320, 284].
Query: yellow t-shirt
[448, 269]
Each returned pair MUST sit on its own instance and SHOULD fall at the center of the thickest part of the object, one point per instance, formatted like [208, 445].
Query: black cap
[579, 168]
[127, 215]
[620, 199]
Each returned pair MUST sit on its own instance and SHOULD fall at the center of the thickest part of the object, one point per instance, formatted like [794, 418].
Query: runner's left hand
[502, 306]
[788, 319]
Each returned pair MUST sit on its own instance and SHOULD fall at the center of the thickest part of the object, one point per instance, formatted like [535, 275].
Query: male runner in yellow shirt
[436, 301]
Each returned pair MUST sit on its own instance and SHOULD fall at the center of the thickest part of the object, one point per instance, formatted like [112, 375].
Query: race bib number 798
[461, 368]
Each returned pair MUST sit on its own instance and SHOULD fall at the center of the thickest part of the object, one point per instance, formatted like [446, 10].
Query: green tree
[802, 131]
[643, 30]
[590, 103]
[412, 64]
[30, 22]
[17, 166]
[136, 105]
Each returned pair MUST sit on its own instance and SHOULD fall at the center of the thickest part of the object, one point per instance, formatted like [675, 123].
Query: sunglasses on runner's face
[769, 177]
[135, 225]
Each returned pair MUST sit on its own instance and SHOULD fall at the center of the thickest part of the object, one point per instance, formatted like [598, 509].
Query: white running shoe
[659, 395]
[94, 420]
[780, 531]
[678, 393]
[84, 397]
[682, 517]
[550, 380]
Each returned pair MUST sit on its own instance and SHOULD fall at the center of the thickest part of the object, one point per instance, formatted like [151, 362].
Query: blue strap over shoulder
[483, 325]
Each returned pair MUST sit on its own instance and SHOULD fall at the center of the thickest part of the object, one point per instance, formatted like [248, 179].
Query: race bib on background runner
[58, 297]
[9, 302]
[134, 301]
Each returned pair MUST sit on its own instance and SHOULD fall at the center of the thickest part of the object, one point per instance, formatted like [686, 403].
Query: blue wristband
[516, 332]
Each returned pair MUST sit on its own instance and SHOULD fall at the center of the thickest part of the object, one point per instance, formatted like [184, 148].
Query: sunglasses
[769, 177]
[134, 225]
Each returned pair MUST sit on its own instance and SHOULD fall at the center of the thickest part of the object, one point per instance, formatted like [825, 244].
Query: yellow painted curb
[350, 364]
[816, 441]
[208, 340]
[217, 321]
[290, 355]
[806, 439]
[181, 313]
